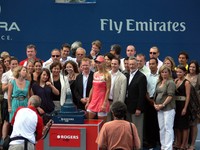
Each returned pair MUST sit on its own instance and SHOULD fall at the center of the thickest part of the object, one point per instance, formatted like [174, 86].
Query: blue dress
[16, 93]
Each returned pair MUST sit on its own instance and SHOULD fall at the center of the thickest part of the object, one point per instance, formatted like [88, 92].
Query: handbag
[134, 148]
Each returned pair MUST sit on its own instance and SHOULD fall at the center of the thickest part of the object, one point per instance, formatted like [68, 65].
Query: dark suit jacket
[78, 92]
[136, 92]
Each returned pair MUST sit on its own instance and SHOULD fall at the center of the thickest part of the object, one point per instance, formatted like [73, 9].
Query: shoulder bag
[132, 136]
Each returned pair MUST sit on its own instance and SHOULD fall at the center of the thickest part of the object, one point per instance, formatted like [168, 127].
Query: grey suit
[119, 90]
[119, 87]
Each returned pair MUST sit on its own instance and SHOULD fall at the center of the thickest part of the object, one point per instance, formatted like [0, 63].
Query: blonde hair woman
[165, 106]
[18, 90]
[169, 62]
[30, 69]
[98, 98]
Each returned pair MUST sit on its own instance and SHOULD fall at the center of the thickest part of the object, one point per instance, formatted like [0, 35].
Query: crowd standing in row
[156, 94]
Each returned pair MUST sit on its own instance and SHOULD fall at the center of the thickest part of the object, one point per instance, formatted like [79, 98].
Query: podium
[72, 136]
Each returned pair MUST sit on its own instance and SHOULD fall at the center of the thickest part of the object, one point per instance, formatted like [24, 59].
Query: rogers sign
[64, 137]
[68, 137]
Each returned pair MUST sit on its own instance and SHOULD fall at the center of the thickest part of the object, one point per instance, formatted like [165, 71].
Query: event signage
[141, 26]
[172, 26]
[59, 137]
[6, 27]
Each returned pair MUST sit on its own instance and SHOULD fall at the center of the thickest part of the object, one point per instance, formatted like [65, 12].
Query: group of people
[154, 95]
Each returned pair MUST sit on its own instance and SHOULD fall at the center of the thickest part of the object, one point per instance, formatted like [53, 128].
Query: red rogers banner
[64, 138]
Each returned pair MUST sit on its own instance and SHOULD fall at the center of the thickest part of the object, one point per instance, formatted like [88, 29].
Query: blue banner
[173, 26]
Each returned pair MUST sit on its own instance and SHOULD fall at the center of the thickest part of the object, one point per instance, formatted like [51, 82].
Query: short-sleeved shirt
[27, 123]
[6, 78]
[122, 139]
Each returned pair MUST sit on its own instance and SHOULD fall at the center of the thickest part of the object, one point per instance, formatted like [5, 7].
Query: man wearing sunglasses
[154, 53]
[55, 56]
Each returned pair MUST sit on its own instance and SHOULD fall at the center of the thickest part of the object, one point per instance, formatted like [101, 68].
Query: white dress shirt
[132, 74]
[152, 80]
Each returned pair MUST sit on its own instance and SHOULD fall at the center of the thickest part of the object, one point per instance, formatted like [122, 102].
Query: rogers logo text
[68, 137]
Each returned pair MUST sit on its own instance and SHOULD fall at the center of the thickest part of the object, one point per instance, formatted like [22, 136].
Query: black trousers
[151, 128]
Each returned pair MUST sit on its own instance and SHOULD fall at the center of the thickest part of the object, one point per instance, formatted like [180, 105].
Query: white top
[152, 80]
[122, 64]
[24, 126]
[6, 78]
[67, 59]
[47, 63]
[145, 70]
[65, 88]
[85, 81]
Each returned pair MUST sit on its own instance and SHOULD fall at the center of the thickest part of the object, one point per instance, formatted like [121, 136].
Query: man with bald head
[27, 125]
[130, 52]
[154, 53]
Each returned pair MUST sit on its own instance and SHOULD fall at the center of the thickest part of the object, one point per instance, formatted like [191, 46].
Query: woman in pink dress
[98, 99]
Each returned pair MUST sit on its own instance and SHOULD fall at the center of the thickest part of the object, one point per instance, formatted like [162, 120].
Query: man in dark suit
[135, 97]
[83, 84]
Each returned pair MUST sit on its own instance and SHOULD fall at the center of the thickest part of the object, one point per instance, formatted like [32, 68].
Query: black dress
[45, 93]
[181, 122]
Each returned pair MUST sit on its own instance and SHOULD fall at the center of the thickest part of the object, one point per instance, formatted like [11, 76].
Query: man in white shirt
[118, 84]
[28, 126]
[151, 122]
[55, 56]
[154, 53]
[83, 84]
[65, 53]
[130, 52]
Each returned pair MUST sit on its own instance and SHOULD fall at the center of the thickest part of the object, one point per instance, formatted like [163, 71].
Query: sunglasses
[80, 54]
[152, 53]
[55, 55]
